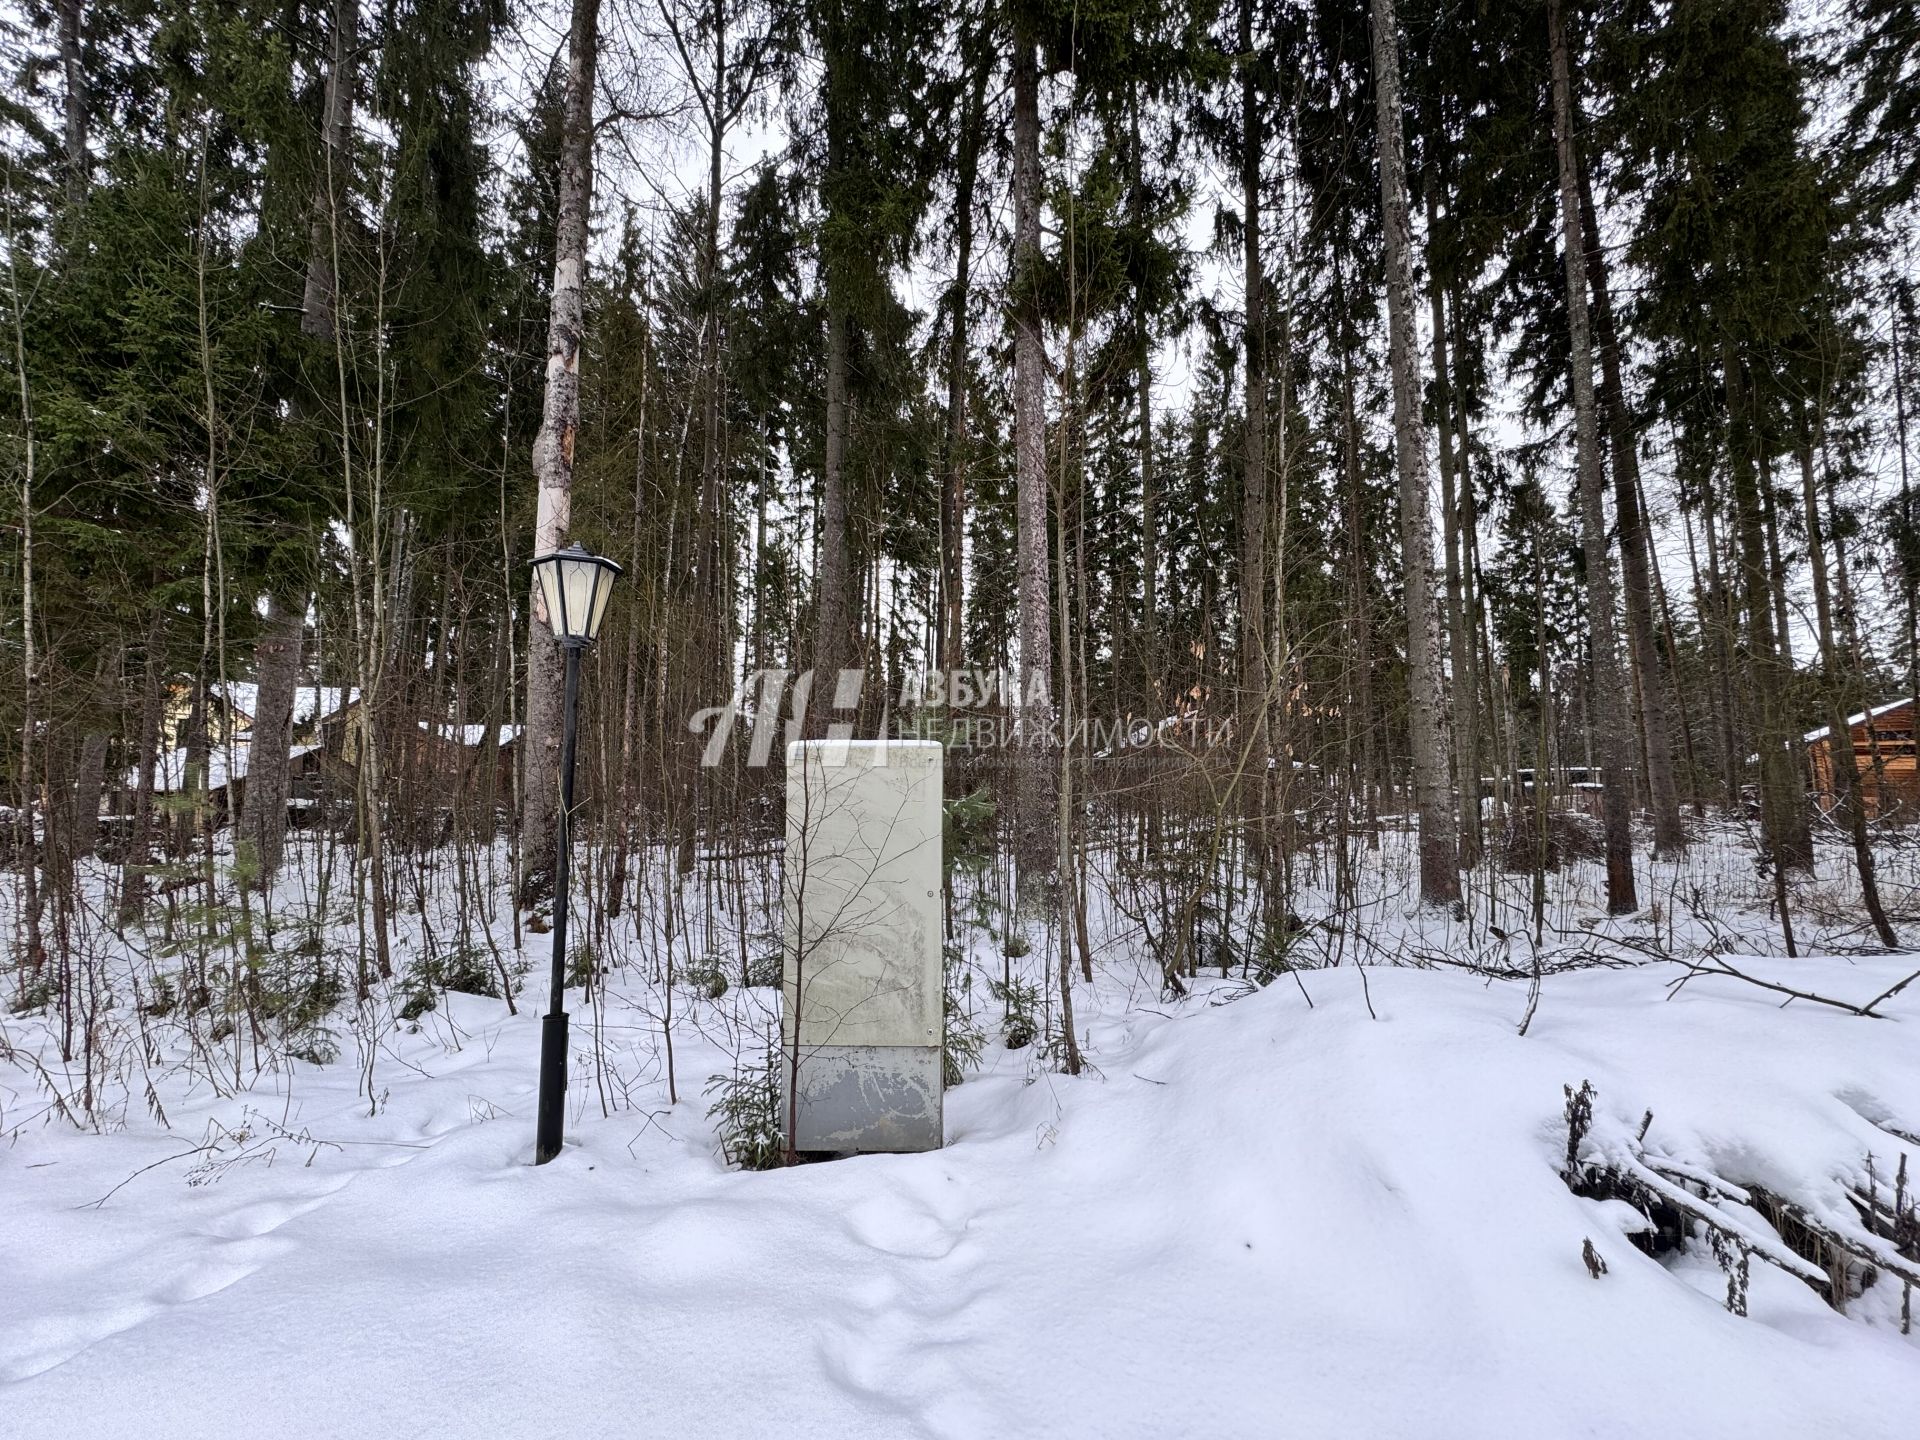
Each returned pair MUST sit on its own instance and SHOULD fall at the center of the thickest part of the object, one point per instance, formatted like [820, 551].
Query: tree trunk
[90, 771]
[196, 771]
[332, 177]
[1149, 530]
[624, 818]
[262, 820]
[1656, 683]
[93, 754]
[553, 457]
[31, 680]
[263, 811]
[1672, 652]
[1253, 523]
[1782, 811]
[74, 76]
[716, 554]
[1713, 603]
[1909, 575]
[1149, 480]
[953, 496]
[1610, 701]
[1480, 667]
[1459, 636]
[133, 869]
[1439, 837]
[1035, 700]
[1844, 762]
[834, 583]
[1776, 567]
[1361, 719]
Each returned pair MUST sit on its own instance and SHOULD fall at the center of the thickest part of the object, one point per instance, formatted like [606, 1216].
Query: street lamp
[574, 586]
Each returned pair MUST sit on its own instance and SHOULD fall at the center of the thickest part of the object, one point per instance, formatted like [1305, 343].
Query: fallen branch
[1720, 967]
[1826, 1254]
[1769, 1247]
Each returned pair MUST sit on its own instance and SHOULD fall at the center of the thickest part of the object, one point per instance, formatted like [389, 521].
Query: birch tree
[553, 448]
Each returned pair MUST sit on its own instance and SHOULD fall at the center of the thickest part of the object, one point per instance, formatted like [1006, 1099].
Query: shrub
[706, 973]
[965, 1038]
[1020, 1025]
[299, 994]
[467, 969]
[746, 1112]
[36, 993]
[969, 831]
[584, 967]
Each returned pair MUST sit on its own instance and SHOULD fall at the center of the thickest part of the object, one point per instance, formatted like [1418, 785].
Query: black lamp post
[574, 586]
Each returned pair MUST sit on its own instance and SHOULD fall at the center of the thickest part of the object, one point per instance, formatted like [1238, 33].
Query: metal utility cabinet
[863, 1004]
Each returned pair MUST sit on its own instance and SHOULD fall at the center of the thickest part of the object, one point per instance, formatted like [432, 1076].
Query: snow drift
[1262, 1217]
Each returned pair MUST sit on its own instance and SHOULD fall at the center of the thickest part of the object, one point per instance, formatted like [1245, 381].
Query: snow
[1331, 1207]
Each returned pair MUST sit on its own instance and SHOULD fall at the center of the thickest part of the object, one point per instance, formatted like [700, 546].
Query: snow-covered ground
[1331, 1207]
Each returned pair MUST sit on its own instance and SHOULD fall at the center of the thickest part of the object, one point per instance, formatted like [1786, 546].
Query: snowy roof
[310, 702]
[170, 770]
[1861, 718]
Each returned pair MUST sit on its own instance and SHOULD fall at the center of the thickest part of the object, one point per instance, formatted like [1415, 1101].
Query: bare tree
[833, 643]
[33, 951]
[724, 60]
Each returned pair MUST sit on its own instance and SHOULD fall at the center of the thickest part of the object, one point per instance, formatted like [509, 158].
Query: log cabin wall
[1883, 747]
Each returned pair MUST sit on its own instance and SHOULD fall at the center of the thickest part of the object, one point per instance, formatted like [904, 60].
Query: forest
[1385, 506]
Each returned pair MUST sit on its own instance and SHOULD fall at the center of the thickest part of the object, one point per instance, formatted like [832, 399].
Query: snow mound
[1265, 1217]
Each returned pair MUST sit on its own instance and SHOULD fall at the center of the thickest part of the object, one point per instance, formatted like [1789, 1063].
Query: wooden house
[317, 720]
[228, 715]
[1883, 749]
[430, 764]
[230, 709]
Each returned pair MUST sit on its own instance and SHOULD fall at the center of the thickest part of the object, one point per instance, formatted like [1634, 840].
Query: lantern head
[574, 586]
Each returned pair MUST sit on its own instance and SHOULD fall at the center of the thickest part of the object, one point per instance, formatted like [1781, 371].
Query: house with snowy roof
[1883, 753]
[231, 706]
[325, 751]
[230, 709]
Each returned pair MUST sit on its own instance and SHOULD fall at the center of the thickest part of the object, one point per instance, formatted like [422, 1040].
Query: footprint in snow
[263, 1217]
[902, 1226]
[56, 1339]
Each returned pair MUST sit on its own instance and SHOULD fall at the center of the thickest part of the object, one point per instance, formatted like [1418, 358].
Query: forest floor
[1330, 1206]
